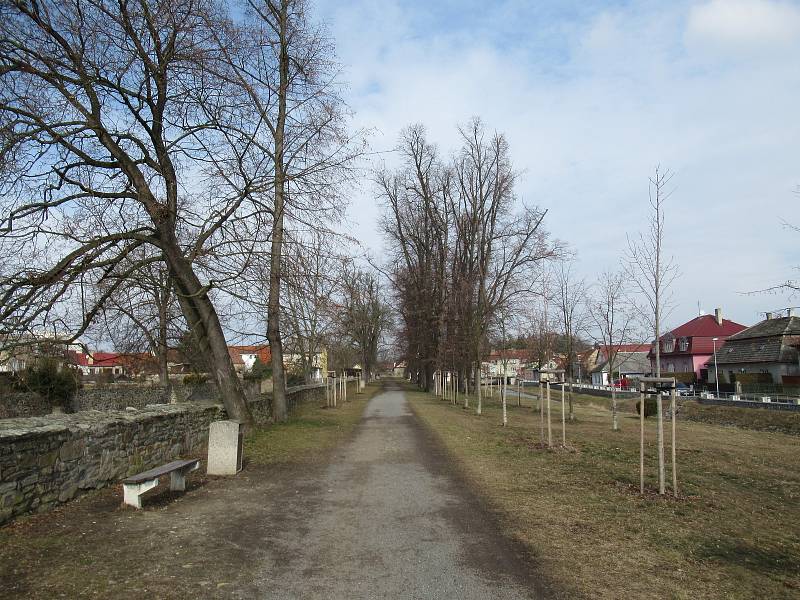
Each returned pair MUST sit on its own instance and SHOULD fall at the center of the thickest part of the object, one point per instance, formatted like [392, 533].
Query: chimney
[769, 316]
[790, 312]
[718, 315]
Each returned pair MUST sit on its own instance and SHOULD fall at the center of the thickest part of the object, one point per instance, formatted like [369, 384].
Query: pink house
[687, 348]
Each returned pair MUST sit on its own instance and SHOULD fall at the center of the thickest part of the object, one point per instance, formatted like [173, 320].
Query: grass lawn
[310, 430]
[734, 533]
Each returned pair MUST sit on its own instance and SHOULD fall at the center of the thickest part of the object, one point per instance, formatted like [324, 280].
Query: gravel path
[389, 520]
[382, 516]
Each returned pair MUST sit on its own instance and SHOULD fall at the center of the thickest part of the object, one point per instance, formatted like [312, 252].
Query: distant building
[319, 364]
[244, 357]
[399, 369]
[767, 352]
[509, 364]
[688, 348]
[591, 359]
[626, 365]
[20, 352]
[98, 363]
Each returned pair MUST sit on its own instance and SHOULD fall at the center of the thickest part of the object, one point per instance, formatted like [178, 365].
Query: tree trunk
[479, 408]
[203, 320]
[161, 351]
[279, 408]
[614, 421]
[571, 411]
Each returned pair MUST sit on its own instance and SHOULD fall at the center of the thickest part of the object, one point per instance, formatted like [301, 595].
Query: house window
[669, 345]
[684, 344]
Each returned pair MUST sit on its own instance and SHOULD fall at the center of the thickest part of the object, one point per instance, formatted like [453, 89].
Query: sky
[592, 96]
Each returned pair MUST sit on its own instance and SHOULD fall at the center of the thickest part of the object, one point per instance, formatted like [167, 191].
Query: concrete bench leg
[132, 492]
[177, 481]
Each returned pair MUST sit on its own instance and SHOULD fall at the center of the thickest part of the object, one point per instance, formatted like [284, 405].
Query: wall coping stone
[29, 427]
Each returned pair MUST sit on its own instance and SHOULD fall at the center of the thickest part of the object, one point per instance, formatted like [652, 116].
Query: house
[539, 372]
[319, 364]
[505, 363]
[597, 356]
[399, 369]
[688, 348]
[98, 363]
[626, 364]
[767, 352]
[244, 357]
[19, 352]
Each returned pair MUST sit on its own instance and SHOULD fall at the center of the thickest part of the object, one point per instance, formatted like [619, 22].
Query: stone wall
[119, 396]
[50, 459]
[47, 460]
[17, 405]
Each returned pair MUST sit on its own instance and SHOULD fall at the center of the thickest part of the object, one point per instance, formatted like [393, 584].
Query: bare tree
[311, 284]
[365, 317]
[612, 317]
[417, 223]
[118, 124]
[653, 273]
[569, 298]
[288, 73]
[506, 248]
[142, 316]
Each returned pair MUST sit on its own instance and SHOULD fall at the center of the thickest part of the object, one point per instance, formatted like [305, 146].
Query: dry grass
[309, 432]
[734, 533]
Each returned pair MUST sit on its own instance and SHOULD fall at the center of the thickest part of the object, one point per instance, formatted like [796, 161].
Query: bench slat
[159, 471]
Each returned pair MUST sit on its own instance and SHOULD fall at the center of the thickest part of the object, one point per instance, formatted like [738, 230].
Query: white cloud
[587, 122]
[744, 25]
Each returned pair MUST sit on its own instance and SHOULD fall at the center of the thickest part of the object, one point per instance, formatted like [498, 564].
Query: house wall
[777, 370]
[682, 363]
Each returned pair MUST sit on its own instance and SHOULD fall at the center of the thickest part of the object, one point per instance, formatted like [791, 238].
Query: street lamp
[716, 373]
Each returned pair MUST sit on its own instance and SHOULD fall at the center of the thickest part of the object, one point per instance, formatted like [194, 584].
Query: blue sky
[592, 96]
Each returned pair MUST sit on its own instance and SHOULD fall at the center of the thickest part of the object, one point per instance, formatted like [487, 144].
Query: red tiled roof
[262, 352]
[707, 326]
[106, 359]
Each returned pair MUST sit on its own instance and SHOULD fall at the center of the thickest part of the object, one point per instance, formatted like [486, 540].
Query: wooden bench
[133, 487]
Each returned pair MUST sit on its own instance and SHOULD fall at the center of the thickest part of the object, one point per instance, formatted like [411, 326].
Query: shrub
[293, 379]
[56, 386]
[195, 379]
[650, 407]
[259, 371]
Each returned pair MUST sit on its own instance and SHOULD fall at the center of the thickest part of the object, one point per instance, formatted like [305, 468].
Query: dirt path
[388, 520]
[385, 517]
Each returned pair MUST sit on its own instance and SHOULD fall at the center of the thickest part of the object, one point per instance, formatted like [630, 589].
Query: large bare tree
[176, 125]
[116, 116]
[303, 152]
[417, 224]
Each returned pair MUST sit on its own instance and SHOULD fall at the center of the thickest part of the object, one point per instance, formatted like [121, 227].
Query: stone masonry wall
[119, 396]
[47, 460]
[50, 459]
[17, 405]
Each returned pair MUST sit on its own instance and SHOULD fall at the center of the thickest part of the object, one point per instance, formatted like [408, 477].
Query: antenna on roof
[699, 310]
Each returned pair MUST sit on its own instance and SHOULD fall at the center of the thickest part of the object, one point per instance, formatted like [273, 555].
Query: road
[389, 519]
